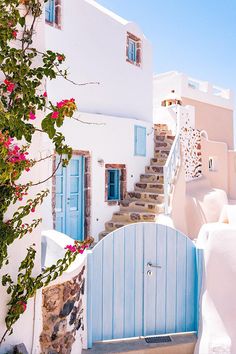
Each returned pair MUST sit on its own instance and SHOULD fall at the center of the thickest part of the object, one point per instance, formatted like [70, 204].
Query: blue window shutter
[114, 184]
[50, 11]
[139, 140]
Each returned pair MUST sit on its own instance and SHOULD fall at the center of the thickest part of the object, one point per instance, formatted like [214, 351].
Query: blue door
[70, 198]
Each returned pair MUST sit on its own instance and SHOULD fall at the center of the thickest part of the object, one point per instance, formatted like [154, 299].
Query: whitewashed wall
[113, 142]
[94, 42]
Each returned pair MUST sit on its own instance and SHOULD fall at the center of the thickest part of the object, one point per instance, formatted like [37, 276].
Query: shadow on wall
[203, 204]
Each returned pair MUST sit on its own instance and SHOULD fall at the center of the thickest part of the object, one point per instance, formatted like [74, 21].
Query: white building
[99, 47]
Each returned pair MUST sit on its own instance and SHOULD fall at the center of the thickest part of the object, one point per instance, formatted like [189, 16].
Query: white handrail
[171, 166]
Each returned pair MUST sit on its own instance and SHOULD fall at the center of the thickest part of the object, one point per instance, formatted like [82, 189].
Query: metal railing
[170, 169]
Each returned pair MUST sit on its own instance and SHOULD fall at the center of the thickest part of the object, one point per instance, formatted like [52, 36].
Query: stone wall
[63, 315]
[192, 156]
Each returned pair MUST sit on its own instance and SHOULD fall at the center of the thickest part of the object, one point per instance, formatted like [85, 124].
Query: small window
[53, 12]
[133, 49]
[139, 140]
[114, 184]
[212, 164]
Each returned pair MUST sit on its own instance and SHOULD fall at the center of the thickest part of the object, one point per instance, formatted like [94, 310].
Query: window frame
[54, 18]
[135, 58]
[143, 151]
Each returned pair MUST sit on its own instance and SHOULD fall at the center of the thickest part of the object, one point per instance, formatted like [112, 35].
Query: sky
[197, 37]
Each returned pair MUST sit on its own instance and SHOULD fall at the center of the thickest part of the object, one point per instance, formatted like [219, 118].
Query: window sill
[133, 62]
[112, 202]
[53, 24]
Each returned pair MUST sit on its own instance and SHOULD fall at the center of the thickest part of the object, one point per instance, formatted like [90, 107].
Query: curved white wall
[218, 306]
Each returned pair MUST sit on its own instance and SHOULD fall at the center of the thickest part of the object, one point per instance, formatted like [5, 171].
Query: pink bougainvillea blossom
[10, 86]
[45, 94]
[55, 115]
[14, 34]
[71, 248]
[32, 116]
[65, 102]
[22, 305]
[60, 57]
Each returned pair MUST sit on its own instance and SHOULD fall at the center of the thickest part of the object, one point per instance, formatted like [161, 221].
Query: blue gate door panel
[124, 300]
[70, 198]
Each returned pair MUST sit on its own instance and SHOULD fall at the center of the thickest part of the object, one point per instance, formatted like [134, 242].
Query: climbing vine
[23, 100]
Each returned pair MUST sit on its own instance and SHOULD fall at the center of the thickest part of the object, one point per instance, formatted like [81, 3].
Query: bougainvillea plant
[22, 98]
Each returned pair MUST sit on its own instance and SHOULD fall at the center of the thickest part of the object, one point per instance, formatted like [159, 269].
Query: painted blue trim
[50, 11]
[140, 140]
[200, 265]
[89, 300]
[72, 217]
[132, 50]
[113, 184]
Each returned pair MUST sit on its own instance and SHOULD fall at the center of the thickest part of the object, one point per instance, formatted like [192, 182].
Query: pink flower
[32, 210]
[60, 57]
[32, 116]
[45, 94]
[61, 104]
[55, 115]
[8, 142]
[14, 33]
[23, 305]
[71, 248]
[64, 102]
[10, 85]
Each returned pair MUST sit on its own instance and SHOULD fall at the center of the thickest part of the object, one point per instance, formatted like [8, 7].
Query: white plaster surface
[194, 89]
[111, 140]
[94, 42]
[217, 333]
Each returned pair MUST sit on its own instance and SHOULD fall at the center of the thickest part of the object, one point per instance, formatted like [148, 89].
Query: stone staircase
[147, 199]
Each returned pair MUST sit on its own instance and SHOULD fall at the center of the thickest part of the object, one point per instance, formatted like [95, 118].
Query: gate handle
[149, 264]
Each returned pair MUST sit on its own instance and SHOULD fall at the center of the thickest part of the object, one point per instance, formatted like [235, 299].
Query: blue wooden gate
[142, 280]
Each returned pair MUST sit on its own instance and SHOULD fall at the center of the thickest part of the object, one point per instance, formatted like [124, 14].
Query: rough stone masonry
[63, 315]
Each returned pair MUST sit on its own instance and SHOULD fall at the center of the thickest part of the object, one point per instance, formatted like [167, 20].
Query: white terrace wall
[94, 42]
[213, 105]
[112, 141]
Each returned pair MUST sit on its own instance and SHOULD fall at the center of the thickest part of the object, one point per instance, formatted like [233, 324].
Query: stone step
[152, 177]
[154, 169]
[103, 234]
[162, 154]
[130, 205]
[114, 225]
[183, 343]
[132, 216]
[159, 131]
[160, 161]
[149, 187]
[146, 196]
[161, 126]
[166, 138]
[162, 145]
